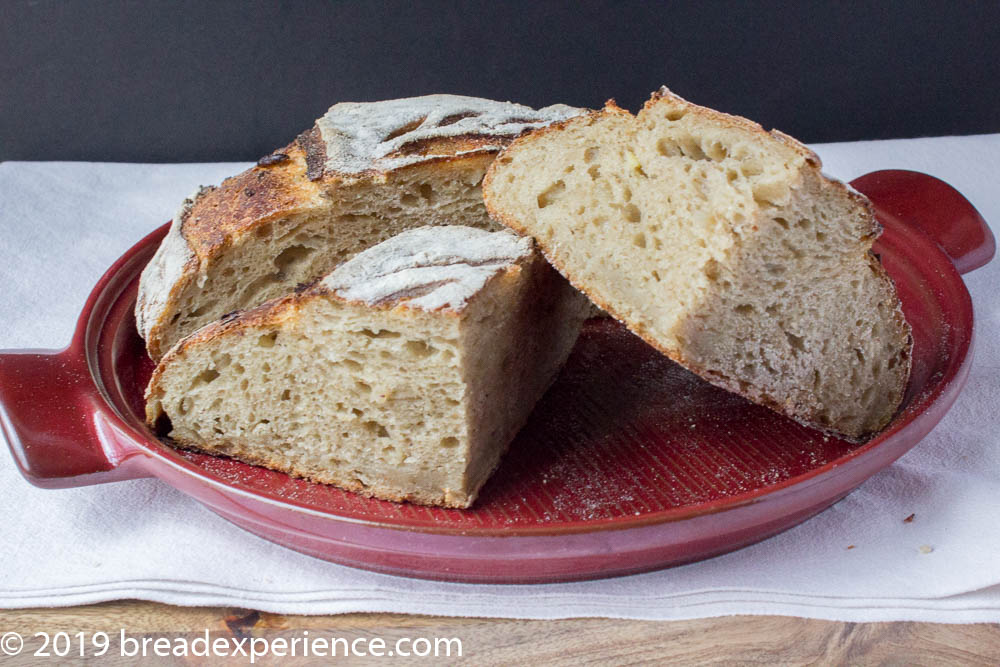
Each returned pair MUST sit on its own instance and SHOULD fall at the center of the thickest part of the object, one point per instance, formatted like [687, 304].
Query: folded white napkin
[62, 224]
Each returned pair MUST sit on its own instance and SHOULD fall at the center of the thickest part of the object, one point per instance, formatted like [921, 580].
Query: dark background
[222, 80]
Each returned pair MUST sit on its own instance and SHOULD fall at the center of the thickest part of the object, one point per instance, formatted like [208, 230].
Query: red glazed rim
[912, 418]
[72, 432]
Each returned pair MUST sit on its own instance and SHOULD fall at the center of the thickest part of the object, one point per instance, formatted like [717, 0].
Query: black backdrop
[222, 80]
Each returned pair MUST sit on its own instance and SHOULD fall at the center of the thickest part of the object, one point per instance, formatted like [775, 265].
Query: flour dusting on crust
[429, 267]
[363, 136]
[164, 271]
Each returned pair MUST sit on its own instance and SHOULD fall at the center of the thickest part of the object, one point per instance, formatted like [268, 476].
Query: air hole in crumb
[639, 240]
[206, 376]
[292, 256]
[594, 171]
[744, 309]
[860, 355]
[352, 364]
[427, 192]
[267, 340]
[690, 148]
[675, 114]
[204, 308]
[667, 148]
[716, 151]
[797, 342]
[419, 349]
[782, 222]
[409, 200]
[286, 395]
[632, 213]
[551, 193]
[591, 154]
[449, 442]
[381, 333]
[711, 270]
[376, 429]
[656, 276]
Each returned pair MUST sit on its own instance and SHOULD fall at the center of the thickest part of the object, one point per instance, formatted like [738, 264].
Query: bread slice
[722, 245]
[362, 174]
[403, 375]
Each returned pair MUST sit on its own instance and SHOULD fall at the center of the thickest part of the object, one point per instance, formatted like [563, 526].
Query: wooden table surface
[727, 640]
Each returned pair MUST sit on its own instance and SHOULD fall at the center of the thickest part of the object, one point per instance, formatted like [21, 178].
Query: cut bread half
[722, 245]
[364, 173]
[402, 375]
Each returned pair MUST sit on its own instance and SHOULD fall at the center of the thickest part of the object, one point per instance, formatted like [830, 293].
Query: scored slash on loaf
[402, 375]
[364, 173]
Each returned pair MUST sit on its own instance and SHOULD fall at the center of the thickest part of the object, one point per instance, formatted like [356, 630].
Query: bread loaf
[362, 174]
[403, 374]
[722, 245]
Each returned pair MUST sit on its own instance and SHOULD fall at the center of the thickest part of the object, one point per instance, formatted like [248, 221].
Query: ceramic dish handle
[940, 211]
[50, 418]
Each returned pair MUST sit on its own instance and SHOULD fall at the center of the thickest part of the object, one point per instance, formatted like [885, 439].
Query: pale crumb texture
[383, 168]
[725, 247]
[362, 136]
[394, 400]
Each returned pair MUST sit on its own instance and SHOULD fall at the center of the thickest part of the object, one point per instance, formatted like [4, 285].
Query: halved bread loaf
[363, 174]
[403, 375]
[722, 245]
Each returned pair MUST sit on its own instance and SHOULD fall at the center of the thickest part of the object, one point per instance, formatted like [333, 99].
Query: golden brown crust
[247, 200]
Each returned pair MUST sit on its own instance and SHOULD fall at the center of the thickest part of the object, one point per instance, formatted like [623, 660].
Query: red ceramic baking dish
[629, 463]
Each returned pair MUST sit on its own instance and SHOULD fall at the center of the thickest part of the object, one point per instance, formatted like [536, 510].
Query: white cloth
[62, 224]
